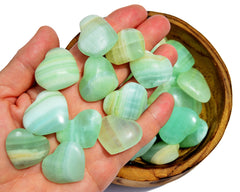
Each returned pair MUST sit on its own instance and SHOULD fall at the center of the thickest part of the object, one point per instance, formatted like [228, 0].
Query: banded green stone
[25, 149]
[161, 153]
[83, 129]
[195, 85]
[129, 102]
[151, 70]
[130, 46]
[58, 70]
[182, 122]
[99, 79]
[97, 36]
[66, 164]
[118, 134]
[47, 114]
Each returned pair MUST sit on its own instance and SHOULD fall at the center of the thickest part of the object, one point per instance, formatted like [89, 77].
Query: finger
[18, 75]
[168, 51]
[154, 29]
[127, 17]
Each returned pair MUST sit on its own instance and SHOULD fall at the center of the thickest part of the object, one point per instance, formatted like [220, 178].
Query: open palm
[18, 90]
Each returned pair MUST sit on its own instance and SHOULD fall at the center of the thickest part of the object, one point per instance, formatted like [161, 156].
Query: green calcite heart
[197, 136]
[47, 114]
[66, 164]
[151, 70]
[130, 46]
[182, 122]
[25, 149]
[97, 36]
[117, 134]
[58, 70]
[161, 153]
[129, 102]
[144, 149]
[185, 59]
[99, 79]
[195, 85]
[83, 129]
[181, 99]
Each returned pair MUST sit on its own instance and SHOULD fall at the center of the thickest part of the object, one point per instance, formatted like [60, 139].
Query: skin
[18, 90]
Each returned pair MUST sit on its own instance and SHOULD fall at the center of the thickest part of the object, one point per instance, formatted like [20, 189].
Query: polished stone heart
[66, 164]
[182, 122]
[47, 114]
[117, 134]
[151, 70]
[99, 79]
[25, 149]
[129, 102]
[97, 36]
[58, 70]
[83, 129]
[195, 85]
[130, 46]
[161, 153]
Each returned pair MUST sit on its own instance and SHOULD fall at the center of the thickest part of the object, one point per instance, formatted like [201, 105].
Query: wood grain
[216, 112]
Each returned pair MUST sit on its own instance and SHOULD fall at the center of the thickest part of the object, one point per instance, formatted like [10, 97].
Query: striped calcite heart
[130, 46]
[151, 70]
[161, 153]
[99, 79]
[58, 70]
[83, 129]
[66, 164]
[47, 114]
[129, 102]
[117, 134]
[25, 149]
[97, 36]
[195, 85]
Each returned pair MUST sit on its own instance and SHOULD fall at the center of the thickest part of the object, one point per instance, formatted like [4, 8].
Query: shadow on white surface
[118, 188]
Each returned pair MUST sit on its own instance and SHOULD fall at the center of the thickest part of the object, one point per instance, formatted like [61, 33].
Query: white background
[218, 21]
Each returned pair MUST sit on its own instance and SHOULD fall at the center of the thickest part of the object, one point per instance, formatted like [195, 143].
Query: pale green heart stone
[144, 149]
[185, 59]
[129, 102]
[25, 149]
[182, 122]
[83, 129]
[58, 70]
[117, 134]
[47, 114]
[161, 153]
[66, 164]
[151, 70]
[130, 46]
[195, 85]
[97, 36]
[197, 136]
[181, 99]
[99, 79]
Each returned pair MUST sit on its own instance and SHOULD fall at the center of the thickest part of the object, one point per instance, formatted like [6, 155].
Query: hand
[18, 90]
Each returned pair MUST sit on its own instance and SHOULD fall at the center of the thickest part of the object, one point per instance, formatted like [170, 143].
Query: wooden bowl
[216, 112]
